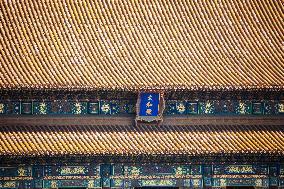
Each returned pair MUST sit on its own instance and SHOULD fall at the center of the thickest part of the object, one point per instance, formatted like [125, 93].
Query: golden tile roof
[130, 140]
[141, 44]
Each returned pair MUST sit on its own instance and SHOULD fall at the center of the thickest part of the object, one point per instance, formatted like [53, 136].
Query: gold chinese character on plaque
[149, 104]
[148, 111]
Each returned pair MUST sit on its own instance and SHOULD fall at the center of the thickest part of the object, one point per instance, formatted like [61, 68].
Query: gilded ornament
[91, 184]
[10, 184]
[2, 108]
[240, 169]
[179, 171]
[21, 172]
[222, 182]
[281, 108]
[72, 170]
[158, 182]
[135, 171]
[105, 108]
[281, 171]
[195, 182]
[208, 107]
[258, 182]
[181, 108]
[118, 182]
[78, 108]
[42, 108]
[242, 108]
[53, 184]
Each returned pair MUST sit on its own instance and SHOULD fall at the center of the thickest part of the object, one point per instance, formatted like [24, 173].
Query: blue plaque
[149, 104]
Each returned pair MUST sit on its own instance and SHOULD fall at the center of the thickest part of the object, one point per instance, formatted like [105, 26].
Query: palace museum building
[141, 94]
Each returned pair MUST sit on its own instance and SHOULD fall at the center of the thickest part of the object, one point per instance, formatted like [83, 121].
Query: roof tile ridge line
[17, 141]
[57, 74]
[4, 143]
[237, 139]
[74, 138]
[65, 46]
[6, 32]
[129, 67]
[199, 55]
[97, 146]
[29, 65]
[231, 134]
[210, 138]
[4, 43]
[86, 49]
[141, 52]
[141, 140]
[109, 59]
[230, 48]
[10, 143]
[265, 21]
[56, 140]
[71, 71]
[252, 140]
[206, 51]
[253, 42]
[147, 133]
[204, 146]
[62, 45]
[127, 139]
[41, 68]
[25, 137]
[108, 145]
[172, 143]
[263, 140]
[23, 67]
[90, 52]
[223, 138]
[196, 142]
[196, 36]
[86, 38]
[66, 143]
[272, 141]
[244, 43]
[162, 143]
[173, 57]
[164, 35]
[277, 137]
[41, 145]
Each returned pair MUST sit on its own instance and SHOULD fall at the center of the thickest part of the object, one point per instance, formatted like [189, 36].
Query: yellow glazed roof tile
[129, 140]
[159, 44]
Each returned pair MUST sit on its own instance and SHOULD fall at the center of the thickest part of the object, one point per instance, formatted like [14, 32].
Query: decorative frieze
[128, 107]
[139, 175]
[240, 169]
[223, 107]
[73, 170]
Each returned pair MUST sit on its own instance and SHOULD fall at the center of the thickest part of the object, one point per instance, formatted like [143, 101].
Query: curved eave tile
[141, 140]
